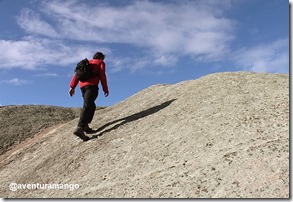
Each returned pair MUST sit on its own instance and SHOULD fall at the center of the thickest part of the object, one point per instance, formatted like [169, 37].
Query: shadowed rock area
[223, 135]
[19, 122]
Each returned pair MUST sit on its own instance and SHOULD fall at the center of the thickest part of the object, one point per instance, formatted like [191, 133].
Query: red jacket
[95, 64]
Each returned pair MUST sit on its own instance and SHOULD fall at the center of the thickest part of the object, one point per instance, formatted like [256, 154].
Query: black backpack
[83, 70]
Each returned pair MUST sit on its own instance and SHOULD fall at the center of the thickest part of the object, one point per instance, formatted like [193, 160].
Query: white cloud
[130, 64]
[166, 60]
[194, 28]
[34, 53]
[16, 82]
[46, 75]
[187, 28]
[118, 63]
[66, 31]
[272, 57]
[31, 21]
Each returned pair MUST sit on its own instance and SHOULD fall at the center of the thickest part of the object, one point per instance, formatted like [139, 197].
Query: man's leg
[90, 94]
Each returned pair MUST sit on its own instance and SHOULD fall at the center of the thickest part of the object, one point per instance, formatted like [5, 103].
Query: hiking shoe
[79, 132]
[88, 130]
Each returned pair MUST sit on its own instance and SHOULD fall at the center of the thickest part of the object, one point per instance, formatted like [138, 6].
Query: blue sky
[146, 42]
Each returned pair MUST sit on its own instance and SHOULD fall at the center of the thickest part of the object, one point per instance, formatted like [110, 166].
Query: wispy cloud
[166, 30]
[31, 21]
[193, 28]
[35, 53]
[166, 60]
[272, 57]
[62, 32]
[130, 64]
[16, 82]
[46, 75]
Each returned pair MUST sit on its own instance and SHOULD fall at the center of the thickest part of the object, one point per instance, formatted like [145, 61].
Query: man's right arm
[72, 85]
[103, 78]
[71, 92]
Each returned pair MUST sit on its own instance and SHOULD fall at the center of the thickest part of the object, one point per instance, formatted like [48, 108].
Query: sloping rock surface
[223, 135]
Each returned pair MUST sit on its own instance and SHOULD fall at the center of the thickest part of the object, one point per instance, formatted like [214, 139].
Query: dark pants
[89, 94]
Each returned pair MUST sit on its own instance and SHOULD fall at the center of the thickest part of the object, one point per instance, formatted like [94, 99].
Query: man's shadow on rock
[130, 118]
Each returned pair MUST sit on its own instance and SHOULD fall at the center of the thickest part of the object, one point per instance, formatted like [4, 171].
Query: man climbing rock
[89, 89]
